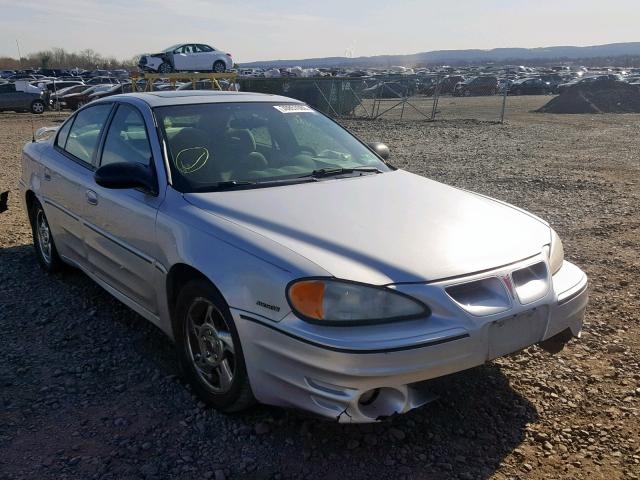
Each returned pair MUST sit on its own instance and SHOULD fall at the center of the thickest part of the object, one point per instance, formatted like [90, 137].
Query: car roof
[193, 97]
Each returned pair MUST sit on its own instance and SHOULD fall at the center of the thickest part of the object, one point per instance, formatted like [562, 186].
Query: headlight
[555, 251]
[339, 302]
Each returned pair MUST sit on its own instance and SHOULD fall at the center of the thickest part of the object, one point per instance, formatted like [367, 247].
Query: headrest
[241, 139]
[248, 123]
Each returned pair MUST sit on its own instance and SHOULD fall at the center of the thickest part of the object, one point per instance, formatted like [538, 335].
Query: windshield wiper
[329, 172]
[229, 184]
[240, 184]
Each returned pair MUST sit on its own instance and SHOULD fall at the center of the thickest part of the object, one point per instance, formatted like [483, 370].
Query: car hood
[385, 228]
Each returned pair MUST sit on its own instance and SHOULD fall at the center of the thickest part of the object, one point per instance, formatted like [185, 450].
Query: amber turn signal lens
[307, 298]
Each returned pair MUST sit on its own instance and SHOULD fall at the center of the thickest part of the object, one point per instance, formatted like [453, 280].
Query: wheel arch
[179, 275]
[30, 199]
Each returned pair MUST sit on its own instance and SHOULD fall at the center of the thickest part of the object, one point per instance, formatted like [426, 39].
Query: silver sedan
[291, 263]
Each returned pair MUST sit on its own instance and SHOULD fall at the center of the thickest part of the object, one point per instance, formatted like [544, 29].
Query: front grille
[531, 283]
[482, 297]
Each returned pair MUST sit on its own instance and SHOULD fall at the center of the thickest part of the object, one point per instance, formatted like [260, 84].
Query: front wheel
[209, 348]
[165, 68]
[37, 106]
[219, 67]
[46, 251]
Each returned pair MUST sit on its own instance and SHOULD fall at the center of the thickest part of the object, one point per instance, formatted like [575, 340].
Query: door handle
[92, 197]
[47, 173]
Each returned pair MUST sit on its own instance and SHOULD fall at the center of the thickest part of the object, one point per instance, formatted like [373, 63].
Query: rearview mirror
[381, 150]
[121, 175]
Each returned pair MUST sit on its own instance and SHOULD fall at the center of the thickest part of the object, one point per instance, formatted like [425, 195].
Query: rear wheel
[209, 348]
[46, 251]
[219, 67]
[37, 106]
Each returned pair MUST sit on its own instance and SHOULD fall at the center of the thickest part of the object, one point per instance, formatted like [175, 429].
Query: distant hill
[545, 55]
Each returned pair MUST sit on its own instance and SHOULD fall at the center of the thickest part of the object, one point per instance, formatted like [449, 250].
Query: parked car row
[75, 97]
[77, 74]
[397, 81]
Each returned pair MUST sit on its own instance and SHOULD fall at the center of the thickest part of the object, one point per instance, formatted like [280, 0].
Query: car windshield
[224, 145]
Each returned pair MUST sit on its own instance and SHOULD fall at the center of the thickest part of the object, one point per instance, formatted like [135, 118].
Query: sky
[294, 29]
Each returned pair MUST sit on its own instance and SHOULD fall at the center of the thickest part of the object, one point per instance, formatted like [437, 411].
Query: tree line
[87, 59]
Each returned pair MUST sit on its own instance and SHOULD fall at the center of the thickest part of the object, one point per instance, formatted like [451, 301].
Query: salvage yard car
[187, 57]
[291, 263]
[484, 85]
[55, 97]
[529, 86]
[17, 101]
[77, 100]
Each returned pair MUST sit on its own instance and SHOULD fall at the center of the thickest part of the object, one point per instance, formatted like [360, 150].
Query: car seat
[242, 155]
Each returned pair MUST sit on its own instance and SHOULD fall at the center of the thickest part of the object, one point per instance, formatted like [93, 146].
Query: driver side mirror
[380, 149]
[122, 175]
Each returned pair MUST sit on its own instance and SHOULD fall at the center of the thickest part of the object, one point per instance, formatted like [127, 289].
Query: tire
[219, 67]
[165, 68]
[45, 247]
[209, 348]
[37, 106]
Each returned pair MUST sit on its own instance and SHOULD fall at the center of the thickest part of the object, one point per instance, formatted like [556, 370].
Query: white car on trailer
[187, 57]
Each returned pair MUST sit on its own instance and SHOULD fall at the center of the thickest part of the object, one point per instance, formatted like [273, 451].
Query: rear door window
[84, 135]
[63, 134]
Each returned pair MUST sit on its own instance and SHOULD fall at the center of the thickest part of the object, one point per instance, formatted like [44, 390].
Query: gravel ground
[88, 389]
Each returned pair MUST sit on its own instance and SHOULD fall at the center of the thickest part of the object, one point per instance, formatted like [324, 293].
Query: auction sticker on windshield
[293, 108]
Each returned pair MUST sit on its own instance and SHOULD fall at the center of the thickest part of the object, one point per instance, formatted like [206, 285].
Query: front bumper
[361, 374]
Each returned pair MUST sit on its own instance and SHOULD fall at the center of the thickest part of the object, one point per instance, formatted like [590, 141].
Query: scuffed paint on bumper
[327, 370]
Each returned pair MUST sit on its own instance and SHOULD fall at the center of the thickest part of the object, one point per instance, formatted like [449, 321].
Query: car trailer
[173, 78]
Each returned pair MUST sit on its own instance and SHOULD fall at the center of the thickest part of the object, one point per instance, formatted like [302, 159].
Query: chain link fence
[483, 96]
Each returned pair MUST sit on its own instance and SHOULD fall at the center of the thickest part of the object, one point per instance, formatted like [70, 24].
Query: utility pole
[505, 93]
[19, 54]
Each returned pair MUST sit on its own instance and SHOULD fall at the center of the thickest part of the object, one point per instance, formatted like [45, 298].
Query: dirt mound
[601, 96]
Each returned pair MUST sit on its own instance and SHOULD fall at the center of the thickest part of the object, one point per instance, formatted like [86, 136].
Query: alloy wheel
[44, 237]
[210, 345]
